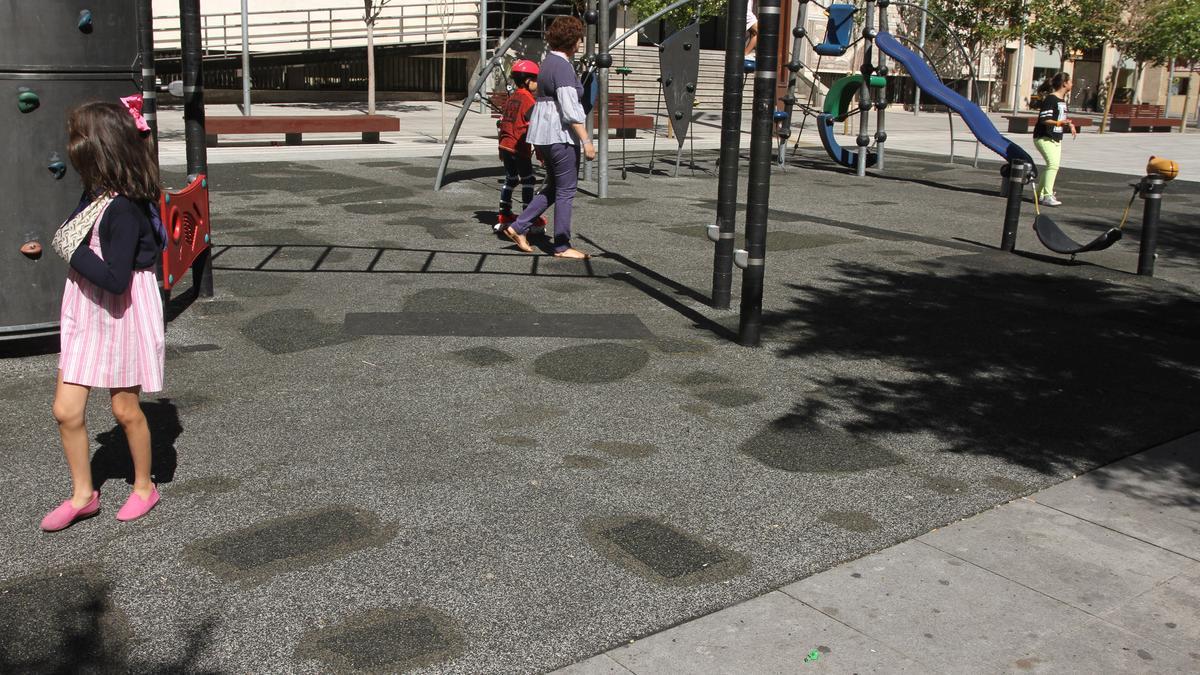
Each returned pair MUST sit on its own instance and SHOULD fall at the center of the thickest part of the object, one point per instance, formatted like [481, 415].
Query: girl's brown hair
[110, 153]
[564, 33]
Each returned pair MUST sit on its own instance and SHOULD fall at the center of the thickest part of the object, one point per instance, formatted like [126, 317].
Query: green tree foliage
[1161, 30]
[681, 16]
[1076, 25]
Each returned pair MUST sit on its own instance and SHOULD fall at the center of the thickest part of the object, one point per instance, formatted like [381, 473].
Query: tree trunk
[371, 67]
[1136, 96]
[1112, 92]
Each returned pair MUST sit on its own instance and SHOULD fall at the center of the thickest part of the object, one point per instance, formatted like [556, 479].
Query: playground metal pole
[193, 88]
[483, 39]
[881, 102]
[145, 14]
[794, 65]
[731, 140]
[1151, 190]
[758, 193]
[589, 30]
[864, 91]
[603, 62]
[921, 44]
[1017, 171]
[246, 58]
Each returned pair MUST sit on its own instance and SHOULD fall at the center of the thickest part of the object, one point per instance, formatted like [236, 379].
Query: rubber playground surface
[393, 442]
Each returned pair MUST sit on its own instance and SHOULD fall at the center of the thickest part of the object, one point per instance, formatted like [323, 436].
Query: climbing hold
[691, 88]
[870, 33]
[624, 70]
[170, 278]
[32, 249]
[749, 65]
[793, 66]
[56, 166]
[206, 237]
[27, 100]
[203, 182]
[678, 115]
[166, 198]
[788, 100]
[668, 81]
[687, 46]
[779, 115]
[85, 21]
[864, 105]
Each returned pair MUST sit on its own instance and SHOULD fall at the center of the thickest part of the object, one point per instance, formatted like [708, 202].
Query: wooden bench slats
[293, 126]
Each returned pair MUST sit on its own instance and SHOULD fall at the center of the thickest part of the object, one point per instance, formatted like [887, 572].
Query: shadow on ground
[1057, 374]
[112, 459]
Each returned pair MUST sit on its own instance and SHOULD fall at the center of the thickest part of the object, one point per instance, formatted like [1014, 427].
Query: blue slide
[973, 115]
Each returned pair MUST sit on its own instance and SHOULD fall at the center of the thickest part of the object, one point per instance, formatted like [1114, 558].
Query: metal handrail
[222, 31]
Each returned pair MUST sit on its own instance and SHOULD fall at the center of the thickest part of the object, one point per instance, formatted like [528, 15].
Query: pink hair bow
[134, 105]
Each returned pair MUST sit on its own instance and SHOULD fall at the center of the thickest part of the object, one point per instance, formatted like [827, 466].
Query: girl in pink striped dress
[112, 315]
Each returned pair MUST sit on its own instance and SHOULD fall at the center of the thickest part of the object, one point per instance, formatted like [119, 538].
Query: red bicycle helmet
[525, 67]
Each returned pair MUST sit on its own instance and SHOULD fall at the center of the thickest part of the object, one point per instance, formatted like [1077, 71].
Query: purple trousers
[562, 178]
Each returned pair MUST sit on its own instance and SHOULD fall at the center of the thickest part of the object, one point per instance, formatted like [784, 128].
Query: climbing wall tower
[53, 56]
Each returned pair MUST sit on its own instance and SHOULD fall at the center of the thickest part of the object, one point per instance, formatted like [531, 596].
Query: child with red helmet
[515, 152]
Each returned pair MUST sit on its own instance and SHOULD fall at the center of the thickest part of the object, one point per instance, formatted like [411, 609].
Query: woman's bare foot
[518, 239]
[572, 253]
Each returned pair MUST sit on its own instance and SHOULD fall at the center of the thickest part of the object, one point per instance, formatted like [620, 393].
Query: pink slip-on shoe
[135, 507]
[65, 515]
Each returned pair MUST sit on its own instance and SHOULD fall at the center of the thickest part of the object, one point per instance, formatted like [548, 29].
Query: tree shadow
[64, 621]
[1059, 374]
[112, 459]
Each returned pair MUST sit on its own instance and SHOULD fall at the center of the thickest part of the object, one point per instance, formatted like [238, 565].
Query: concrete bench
[293, 127]
[1023, 124]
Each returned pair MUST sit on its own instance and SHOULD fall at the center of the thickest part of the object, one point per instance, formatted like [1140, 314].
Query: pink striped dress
[111, 340]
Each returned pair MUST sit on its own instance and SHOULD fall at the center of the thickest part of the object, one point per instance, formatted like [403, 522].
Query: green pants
[1052, 153]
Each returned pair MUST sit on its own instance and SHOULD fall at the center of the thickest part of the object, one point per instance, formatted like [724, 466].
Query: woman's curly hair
[564, 33]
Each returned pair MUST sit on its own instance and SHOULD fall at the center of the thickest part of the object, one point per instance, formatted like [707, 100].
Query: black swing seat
[1053, 238]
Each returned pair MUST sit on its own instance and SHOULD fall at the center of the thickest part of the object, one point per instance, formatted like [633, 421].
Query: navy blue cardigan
[127, 242]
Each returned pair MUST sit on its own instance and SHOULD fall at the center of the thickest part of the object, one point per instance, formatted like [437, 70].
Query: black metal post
[603, 63]
[864, 90]
[145, 18]
[731, 144]
[193, 88]
[1151, 190]
[1017, 171]
[758, 194]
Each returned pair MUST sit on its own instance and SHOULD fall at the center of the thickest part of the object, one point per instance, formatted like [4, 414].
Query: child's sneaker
[503, 221]
[1049, 200]
[750, 64]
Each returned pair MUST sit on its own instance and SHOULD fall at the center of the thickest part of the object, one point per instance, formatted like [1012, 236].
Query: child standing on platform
[515, 151]
[112, 316]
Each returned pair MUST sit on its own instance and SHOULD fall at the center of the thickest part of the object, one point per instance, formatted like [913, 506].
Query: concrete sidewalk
[421, 133]
[1100, 574]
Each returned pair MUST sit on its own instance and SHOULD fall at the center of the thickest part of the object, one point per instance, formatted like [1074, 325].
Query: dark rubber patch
[384, 640]
[374, 194]
[61, 621]
[209, 485]
[946, 486]
[592, 364]
[280, 237]
[289, 543]
[568, 287]
[523, 415]
[702, 378]
[583, 462]
[855, 521]
[661, 552]
[794, 444]
[731, 397]
[516, 441]
[376, 208]
[624, 450]
[1006, 485]
[483, 356]
[457, 300]
[681, 346]
[488, 324]
[215, 307]
[175, 352]
[286, 331]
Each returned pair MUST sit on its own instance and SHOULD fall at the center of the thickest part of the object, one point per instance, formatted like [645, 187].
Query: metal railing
[306, 29]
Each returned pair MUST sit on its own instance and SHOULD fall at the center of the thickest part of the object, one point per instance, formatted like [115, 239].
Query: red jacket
[514, 123]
